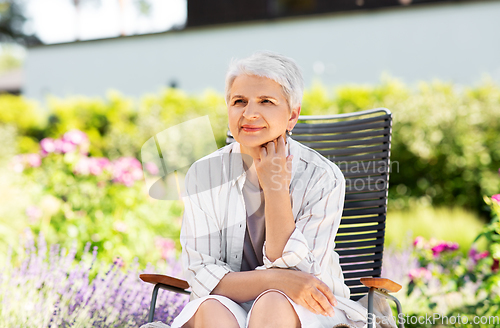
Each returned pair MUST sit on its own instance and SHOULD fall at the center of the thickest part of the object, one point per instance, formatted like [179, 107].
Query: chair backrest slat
[359, 143]
[344, 244]
[355, 188]
[358, 150]
[366, 219]
[354, 158]
[367, 211]
[376, 133]
[338, 144]
[378, 234]
[362, 228]
[349, 268]
[333, 128]
[366, 250]
[366, 203]
[359, 274]
[365, 166]
[345, 122]
[366, 195]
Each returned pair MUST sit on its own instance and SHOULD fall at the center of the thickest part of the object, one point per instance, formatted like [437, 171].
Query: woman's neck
[249, 166]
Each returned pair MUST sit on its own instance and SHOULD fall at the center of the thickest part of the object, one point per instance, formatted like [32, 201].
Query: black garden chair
[359, 143]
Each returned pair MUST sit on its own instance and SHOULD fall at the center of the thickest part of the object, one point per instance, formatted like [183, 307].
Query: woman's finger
[271, 149]
[313, 306]
[328, 293]
[326, 307]
[263, 152]
[280, 147]
[289, 159]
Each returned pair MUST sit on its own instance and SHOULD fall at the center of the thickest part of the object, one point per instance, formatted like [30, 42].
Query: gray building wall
[457, 42]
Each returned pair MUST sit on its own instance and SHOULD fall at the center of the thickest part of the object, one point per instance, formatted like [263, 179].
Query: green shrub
[71, 197]
[26, 117]
[445, 139]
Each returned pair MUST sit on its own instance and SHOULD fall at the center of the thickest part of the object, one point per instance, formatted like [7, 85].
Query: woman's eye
[267, 101]
[238, 101]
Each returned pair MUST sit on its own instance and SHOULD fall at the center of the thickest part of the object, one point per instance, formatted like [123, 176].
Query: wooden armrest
[163, 279]
[381, 283]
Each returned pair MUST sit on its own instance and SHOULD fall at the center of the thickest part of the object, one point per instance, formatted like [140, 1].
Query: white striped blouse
[213, 228]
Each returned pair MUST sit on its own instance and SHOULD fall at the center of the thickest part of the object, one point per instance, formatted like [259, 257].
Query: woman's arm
[202, 250]
[274, 170]
[303, 288]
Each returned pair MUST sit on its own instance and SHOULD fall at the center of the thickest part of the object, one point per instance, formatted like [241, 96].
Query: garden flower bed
[81, 191]
[51, 289]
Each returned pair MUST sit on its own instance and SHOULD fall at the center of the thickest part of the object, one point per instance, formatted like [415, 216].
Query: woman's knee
[212, 313]
[272, 309]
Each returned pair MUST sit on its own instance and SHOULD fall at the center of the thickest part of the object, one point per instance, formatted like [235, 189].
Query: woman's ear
[294, 116]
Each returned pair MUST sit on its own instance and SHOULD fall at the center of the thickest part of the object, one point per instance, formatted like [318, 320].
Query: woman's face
[258, 112]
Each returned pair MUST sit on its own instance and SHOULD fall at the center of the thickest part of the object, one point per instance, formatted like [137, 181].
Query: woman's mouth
[248, 128]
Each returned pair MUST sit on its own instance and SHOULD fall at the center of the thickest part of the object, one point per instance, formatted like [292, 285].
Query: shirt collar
[237, 163]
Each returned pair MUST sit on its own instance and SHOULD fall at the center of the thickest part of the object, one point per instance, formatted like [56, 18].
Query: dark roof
[244, 12]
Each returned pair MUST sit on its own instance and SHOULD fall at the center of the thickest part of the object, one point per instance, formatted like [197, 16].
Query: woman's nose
[251, 110]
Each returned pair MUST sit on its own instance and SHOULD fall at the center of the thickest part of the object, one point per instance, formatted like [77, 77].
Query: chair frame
[363, 208]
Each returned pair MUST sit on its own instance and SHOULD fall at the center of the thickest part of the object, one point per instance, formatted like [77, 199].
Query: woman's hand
[306, 290]
[274, 168]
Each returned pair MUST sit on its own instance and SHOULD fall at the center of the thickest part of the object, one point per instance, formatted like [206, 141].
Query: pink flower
[120, 226]
[443, 247]
[98, 164]
[438, 249]
[76, 137]
[127, 170]
[451, 246]
[118, 261]
[33, 160]
[419, 242]
[419, 273]
[91, 165]
[47, 145]
[476, 256]
[83, 166]
[66, 146]
[17, 163]
[166, 247]
[152, 168]
[20, 162]
[33, 213]
[496, 198]
[483, 255]
[58, 144]
[62, 146]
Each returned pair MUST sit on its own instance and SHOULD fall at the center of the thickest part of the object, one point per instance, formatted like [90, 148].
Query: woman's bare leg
[272, 309]
[212, 313]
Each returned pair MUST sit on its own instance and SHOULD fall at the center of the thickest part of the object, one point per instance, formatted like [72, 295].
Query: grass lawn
[450, 224]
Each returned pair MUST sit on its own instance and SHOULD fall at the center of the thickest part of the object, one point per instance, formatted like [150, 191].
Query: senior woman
[261, 215]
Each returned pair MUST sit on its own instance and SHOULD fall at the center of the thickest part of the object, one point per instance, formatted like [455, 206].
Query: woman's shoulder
[216, 154]
[212, 167]
[311, 159]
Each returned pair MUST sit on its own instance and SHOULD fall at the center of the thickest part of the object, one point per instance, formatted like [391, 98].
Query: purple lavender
[50, 289]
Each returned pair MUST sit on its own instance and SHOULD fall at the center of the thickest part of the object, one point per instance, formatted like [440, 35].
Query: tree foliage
[12, 22]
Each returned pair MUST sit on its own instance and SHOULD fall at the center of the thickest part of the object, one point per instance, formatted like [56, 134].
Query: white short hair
[281, 69]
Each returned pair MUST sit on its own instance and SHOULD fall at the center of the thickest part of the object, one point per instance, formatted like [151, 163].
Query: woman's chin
[251, 141]
[251, 147]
